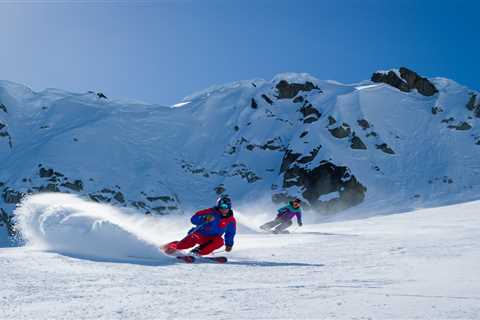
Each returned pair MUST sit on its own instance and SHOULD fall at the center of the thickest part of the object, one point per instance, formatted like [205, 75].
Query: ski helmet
[297, 201]
[224, 202]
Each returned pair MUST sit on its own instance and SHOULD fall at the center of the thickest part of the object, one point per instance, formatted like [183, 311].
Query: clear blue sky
[160, 51]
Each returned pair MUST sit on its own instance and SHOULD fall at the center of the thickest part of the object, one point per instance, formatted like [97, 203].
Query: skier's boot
[170, 248]
[195, 251]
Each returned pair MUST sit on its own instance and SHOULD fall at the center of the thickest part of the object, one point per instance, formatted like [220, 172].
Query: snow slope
[418, 265]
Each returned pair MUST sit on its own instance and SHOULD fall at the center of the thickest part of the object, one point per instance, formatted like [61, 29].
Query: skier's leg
[189, 241]
[212, 244]
[271, 224]
[284, 225]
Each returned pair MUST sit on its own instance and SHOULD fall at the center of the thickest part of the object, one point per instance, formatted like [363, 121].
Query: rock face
[407, 81]
[324, 179]
[290, 90]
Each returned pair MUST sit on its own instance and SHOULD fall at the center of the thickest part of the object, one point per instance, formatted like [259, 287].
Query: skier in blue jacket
[283, 220]
[210, 225]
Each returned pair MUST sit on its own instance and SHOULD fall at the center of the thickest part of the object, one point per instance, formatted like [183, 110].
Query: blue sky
[160, 51]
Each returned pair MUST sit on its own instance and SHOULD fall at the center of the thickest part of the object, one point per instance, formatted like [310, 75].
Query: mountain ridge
[337, 146]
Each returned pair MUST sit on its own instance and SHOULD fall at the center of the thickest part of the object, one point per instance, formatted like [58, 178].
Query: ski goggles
[224, 206]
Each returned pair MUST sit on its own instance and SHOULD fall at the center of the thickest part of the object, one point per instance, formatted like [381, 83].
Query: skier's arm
[200, 217]
[281, 210]
[230, 234]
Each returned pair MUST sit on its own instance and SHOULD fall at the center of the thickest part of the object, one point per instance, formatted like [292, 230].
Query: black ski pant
[279, 225]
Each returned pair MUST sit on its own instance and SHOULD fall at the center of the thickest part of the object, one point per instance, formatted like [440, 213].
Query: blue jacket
[220, 225]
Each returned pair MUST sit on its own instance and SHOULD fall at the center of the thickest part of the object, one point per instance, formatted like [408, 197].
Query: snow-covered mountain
[395, 142]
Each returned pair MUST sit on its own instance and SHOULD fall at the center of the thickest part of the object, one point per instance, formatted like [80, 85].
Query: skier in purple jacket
[284, 217]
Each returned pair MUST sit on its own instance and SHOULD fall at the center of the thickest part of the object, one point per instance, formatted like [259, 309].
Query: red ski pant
[207, 244]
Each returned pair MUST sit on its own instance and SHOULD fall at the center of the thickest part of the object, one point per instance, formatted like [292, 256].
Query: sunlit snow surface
[421, 265]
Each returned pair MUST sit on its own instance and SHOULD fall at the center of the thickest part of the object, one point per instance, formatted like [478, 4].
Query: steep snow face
[369, 146]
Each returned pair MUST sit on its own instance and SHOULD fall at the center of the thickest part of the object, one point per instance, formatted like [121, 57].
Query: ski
[186, 259]
[192, 259]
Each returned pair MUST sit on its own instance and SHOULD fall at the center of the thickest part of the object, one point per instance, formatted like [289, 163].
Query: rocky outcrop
[3, 108]
[385, 148]
[341, 131]
[309, 112]
[288, 90]
[473, 106]
[267, 99]
[253, 104]
[392, 79]
[357, 143]
[407, 81]
[462, 126]
[7, 222]
[237, 169]
[5, 134]
[324, 179]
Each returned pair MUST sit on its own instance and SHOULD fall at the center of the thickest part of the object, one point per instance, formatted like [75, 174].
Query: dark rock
[310, 113]
[385, 148]
[392, 79]
[101, 96]
[324, 179]
[331, 120]
[414, 81]
[138, 204]
[461, 126]
[254, 104]
[119, 197]
[304, 133]
[236, 128]
[3, 108]
[308, 158]
[77, 185]
[357, 143]
[471, 102]
[2, 126]
[12, 196]
[288, 158]
[436, 110]
[267, 99]
[250, 147]
[99, 198]
[451, 119]
[8, 221]
[363, 124]
[407, 81]
[160, 210]
[289, 90]
[298, 99]
[341, 132]
[45, 173]
[161, 198]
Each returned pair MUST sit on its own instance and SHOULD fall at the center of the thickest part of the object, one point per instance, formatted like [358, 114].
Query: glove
[208, 218]
[228, 248]
[300, 224]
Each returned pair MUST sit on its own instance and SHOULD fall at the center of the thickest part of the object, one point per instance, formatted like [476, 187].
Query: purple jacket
[288, 212]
